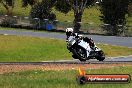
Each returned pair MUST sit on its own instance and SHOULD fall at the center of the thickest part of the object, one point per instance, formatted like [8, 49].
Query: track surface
[121, 41]
[114, 60]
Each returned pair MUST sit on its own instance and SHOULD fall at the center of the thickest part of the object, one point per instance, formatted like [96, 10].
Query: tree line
[113, 12]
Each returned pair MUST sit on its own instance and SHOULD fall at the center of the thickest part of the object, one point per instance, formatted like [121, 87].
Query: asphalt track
[109, 60]
[113, 40]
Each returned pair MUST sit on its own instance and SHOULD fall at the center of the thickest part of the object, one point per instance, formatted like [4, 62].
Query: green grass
[16, 48]
[129, 21]
[18, 10]
[90, 16]
[23, 48]
[115, 50]
[58, 79]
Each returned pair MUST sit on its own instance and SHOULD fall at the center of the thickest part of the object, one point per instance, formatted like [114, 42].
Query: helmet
[69, 31]
[80, 36]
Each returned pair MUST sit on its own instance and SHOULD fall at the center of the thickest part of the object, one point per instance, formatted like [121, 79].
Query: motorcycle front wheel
[101, 56]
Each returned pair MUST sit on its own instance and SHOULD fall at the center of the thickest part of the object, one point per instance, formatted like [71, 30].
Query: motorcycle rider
[91, 42]
[70, 33]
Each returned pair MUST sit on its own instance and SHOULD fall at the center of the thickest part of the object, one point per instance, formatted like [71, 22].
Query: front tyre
[101, 56]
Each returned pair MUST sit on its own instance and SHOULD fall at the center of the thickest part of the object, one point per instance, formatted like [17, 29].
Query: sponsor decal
[83, 78]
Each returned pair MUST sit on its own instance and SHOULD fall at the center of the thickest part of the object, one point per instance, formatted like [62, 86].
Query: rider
[69, 32]
[90, 41]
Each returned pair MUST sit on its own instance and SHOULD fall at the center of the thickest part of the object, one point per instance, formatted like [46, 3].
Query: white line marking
[5, 34]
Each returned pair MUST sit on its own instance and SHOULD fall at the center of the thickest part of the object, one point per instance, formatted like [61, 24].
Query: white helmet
[80, 36]
[69, 31]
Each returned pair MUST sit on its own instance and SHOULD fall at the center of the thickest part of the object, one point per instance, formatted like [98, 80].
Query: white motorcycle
[83, 48]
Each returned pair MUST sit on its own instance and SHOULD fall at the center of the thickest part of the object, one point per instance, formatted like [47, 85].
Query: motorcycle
[83, 48]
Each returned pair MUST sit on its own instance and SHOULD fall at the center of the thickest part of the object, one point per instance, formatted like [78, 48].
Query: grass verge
[58, 79]
[23, 48]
